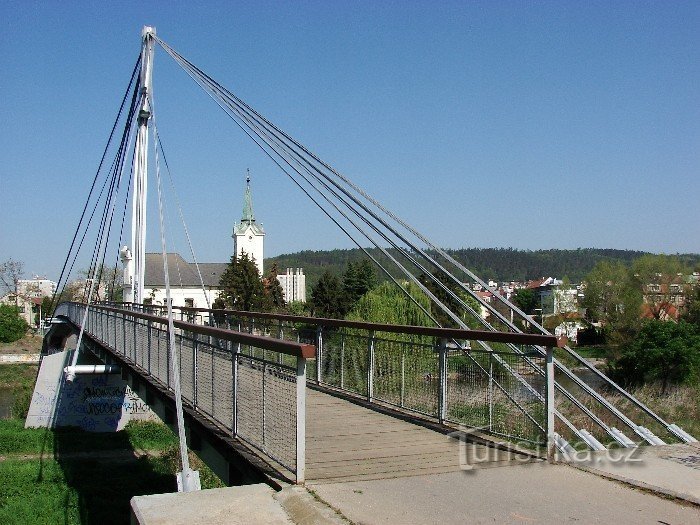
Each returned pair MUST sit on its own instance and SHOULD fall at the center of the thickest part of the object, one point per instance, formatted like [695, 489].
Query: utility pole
[134, 292]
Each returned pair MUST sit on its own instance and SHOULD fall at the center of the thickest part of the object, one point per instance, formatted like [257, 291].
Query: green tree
[328, 297]
[614, 299]
[388, 304]
[692, 311]
[12, 326]
[274, 295]
[664, 351]
[359, 278]
[526, 300]
[451, 302]
[241, 286]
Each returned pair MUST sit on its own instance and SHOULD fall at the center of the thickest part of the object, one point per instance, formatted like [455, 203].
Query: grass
[71, 476]
[54, 485]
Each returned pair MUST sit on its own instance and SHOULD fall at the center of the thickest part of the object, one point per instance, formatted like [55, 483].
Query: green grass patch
[60, 487]
[17, 375]
[142, 435]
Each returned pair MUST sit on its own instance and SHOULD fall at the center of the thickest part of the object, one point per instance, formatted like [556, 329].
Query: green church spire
[248, 202]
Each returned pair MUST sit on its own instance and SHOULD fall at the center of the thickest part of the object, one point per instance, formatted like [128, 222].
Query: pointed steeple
[248, 202]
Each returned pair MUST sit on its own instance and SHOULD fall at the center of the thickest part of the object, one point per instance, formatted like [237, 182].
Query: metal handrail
[265, 343]
[444, 333]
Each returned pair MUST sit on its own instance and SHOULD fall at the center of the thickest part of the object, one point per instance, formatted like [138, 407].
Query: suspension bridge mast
[135, 266]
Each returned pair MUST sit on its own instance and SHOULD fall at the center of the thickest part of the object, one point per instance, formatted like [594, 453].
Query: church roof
[182, 273]
[248, 219]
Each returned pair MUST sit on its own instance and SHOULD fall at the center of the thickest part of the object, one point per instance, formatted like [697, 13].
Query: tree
[241, 286]
[450, 301]
[273, 291]
[11, 272]
[12, 326]
[659, 279]
[388, 304]
[665, 351]
[525, 300]
[692, 311]
[359, 278]
[328, 297]
[612, 298]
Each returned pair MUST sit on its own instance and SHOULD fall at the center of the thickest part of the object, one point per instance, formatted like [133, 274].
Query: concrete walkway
[527, 493]
[673, 470]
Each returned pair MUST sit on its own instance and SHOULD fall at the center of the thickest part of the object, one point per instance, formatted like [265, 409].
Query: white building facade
[293, 284]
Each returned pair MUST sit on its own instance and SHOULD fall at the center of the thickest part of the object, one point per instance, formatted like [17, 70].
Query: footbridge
[298, 398]
[323, 398]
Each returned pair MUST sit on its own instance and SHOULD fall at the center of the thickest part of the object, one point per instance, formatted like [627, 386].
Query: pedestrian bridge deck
[348, 442]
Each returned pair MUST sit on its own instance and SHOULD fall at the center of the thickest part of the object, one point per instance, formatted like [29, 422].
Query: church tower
[248, 235]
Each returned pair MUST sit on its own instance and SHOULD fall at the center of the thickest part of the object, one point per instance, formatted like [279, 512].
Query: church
[186, 281]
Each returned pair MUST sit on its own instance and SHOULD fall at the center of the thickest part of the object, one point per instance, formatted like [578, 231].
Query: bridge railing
[442, 374]
[252, 386]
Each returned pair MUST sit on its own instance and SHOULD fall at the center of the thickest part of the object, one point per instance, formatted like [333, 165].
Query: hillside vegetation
[500, 264]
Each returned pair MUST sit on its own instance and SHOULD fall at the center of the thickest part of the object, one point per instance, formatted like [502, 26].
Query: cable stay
[430, 264]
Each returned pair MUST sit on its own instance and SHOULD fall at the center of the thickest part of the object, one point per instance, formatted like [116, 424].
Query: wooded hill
[500, 264]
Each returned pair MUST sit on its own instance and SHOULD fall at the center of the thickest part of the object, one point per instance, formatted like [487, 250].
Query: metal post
[301, 420]
[442, 384]
[370, 366]
[234, 389]
[342, 360]
[490, 392]
[403, 376]
[319, 352]
[194, 369]
[550, 404]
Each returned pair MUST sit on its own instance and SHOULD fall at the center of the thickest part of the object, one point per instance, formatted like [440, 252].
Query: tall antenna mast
[133, 291]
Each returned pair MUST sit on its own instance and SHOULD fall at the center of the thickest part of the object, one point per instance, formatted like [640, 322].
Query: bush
[664, 351]
[12, 326]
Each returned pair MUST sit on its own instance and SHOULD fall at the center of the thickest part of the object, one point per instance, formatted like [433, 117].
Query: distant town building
[293, 284]
[29, 297]
[185, 283]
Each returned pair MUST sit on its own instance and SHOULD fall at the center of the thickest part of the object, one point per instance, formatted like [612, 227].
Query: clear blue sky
[524, 124]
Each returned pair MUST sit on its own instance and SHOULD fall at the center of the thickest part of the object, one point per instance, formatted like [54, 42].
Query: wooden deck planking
[347, 442]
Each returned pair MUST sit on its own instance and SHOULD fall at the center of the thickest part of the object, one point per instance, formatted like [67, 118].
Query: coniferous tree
[273, 290]
[241, 285]
[328, 297]
[359, 278]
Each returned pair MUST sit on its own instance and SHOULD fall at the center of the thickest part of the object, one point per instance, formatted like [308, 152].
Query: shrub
[12, 326]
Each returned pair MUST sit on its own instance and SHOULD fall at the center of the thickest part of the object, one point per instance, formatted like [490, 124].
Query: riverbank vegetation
[71, 476]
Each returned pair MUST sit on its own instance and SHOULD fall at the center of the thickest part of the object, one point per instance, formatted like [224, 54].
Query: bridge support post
[301, 420]
[549, 372]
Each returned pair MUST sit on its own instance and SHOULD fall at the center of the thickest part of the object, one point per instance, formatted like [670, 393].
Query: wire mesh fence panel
[141, 345]
[332, 358]
[205, 377]
[280, 409]
[222, 387]
[185, 348]
[469, 392]
[406, 375]
[159, 355]
[518, 409]
[353, 361]
[249, 400]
